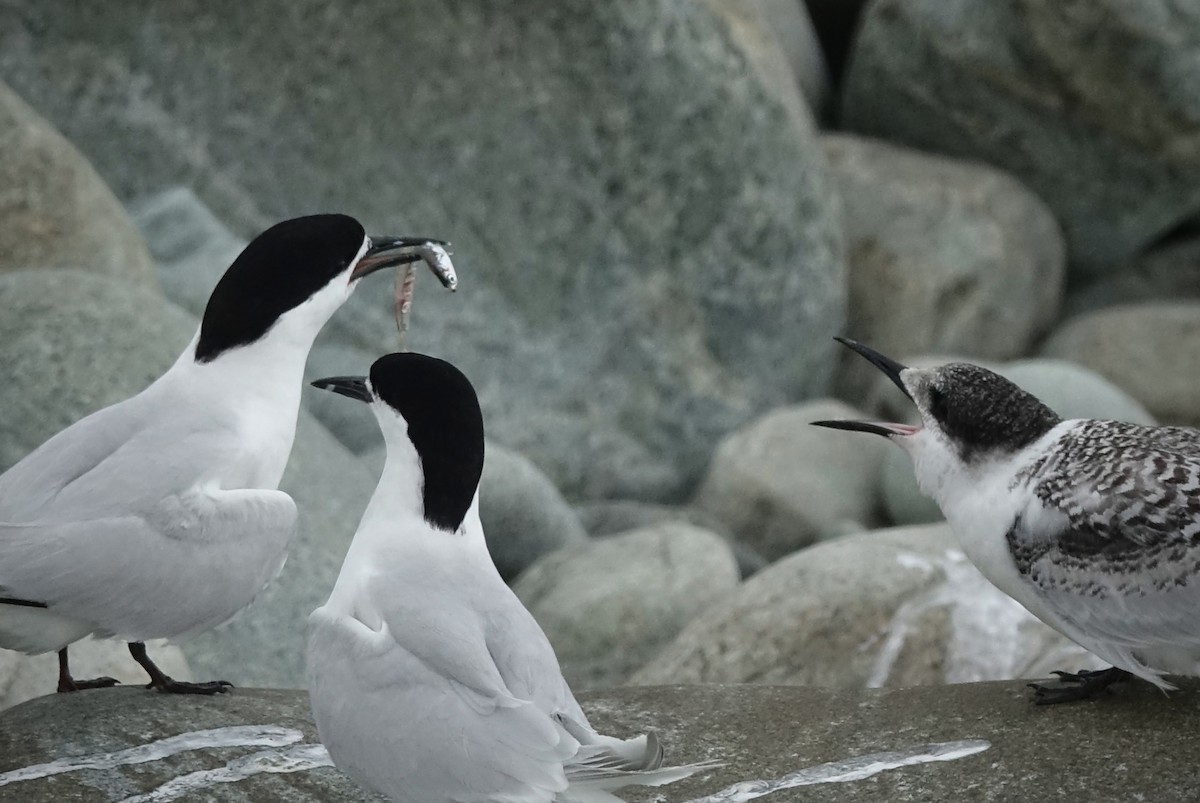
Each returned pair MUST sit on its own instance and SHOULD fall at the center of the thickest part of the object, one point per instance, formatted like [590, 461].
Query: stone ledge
[1135, 744]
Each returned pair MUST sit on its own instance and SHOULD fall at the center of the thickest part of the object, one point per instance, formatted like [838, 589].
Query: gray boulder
[56, 212]
[778, 39]
[191, 248]
[801, 744]
[779, 484]
[607, 606]
[897, 607]
[1034, 89]
[942, 255]
[1069, 389]
[523, 514]
[648, 285]
[1150, 350]
[1170, 272]
[81, 342]
[621, 515]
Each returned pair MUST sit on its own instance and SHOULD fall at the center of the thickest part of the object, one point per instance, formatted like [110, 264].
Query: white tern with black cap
[158, 517]
[1093, 526]
[429, 679]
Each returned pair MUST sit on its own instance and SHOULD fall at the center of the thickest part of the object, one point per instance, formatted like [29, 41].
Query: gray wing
[185, 564]
[1112, 545]
[400, 701]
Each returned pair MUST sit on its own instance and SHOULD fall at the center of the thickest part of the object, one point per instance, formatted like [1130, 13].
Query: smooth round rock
[1170, 272]
[1150, 350]
[55, 211]
[190, 246]
[780, 483]
[523, 514]
[1036, 89]
[896, 607]
[622, 515]
[943, 255]
[608, 605]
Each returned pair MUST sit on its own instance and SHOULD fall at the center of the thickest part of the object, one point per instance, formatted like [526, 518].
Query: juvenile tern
[1094, 526]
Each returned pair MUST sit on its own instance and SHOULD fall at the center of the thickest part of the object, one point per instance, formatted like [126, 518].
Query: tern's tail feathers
[607, 764]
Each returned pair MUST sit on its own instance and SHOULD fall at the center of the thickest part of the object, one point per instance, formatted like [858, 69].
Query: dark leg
[1078, 685]
[68, 683]
[163, 683]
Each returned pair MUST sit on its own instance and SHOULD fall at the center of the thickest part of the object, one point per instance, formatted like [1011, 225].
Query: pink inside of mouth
[903, 429]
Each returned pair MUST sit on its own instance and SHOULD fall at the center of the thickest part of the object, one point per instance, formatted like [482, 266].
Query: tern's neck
[393, 530]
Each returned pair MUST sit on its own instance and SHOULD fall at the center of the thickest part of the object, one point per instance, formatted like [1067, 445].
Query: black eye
[937, 404]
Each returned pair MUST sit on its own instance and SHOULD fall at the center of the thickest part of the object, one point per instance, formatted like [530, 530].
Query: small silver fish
[433, 253]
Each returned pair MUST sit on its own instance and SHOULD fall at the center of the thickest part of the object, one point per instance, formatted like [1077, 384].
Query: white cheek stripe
[234, 736]
[850, 769]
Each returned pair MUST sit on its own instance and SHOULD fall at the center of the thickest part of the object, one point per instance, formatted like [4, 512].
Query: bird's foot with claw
[172, 686]
[70, 684]
[1083, 685]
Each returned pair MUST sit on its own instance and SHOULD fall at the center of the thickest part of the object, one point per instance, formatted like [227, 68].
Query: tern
[1092, 525]
[159, 516]
[429, 679]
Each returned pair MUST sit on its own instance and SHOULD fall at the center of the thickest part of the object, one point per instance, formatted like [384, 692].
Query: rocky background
[662, 211]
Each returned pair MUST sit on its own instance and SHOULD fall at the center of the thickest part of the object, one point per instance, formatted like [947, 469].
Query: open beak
[353, 386]
[388, 252]
[890, 367]
[874, 427]
[892, 370]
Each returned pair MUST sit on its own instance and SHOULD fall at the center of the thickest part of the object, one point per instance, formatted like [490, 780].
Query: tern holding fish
[159, 516]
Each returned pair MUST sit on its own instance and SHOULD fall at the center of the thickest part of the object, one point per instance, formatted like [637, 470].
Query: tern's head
[969, 415]
[291, 278]
[430, 418]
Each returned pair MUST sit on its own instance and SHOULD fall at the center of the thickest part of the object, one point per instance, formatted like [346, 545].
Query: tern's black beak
[387, 252]
[890, 367]
[353, 386]
[874, 427]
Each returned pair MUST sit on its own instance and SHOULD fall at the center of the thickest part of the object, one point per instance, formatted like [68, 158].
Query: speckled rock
[607, 606]
[55, 212]
[523, 514]
[972, 742]
[781, 484]
[81, 342]
[1151, 351]
[1069, 389]
[23, 677]
[896, 607]
[1034, 89]
[779, 41]
[632, 286]
[247, 746]
[942, 255]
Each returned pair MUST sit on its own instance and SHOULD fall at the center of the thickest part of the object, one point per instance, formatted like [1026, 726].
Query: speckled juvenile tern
[1094, 526]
